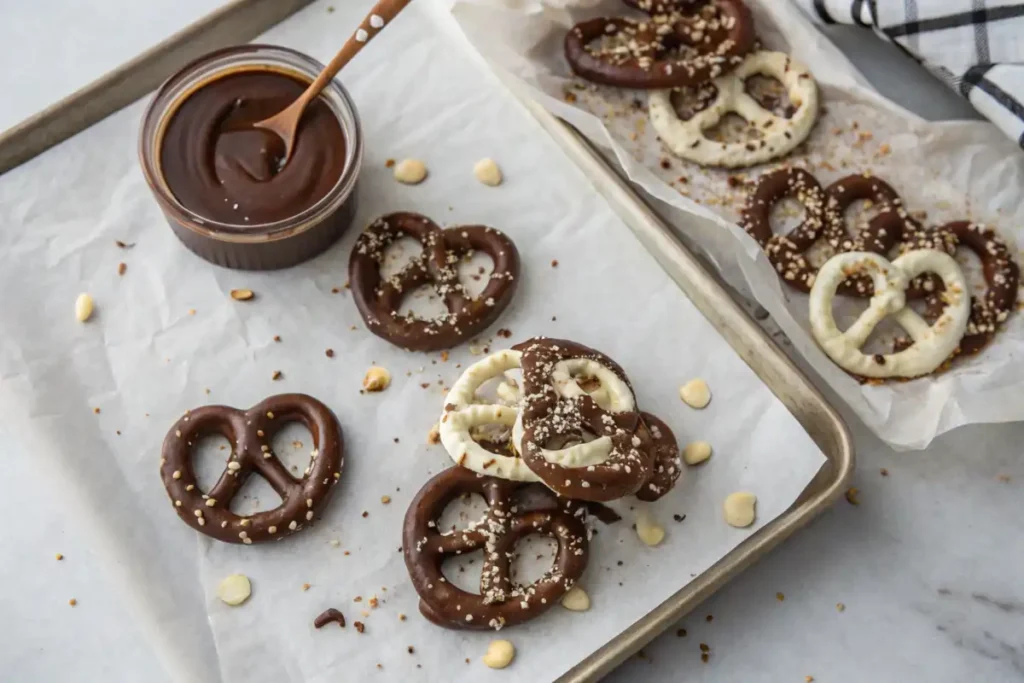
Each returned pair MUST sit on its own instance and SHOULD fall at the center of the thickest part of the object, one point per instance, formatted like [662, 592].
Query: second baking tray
[773, 368]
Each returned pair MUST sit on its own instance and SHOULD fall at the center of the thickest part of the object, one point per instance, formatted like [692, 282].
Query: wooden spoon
[286, 122]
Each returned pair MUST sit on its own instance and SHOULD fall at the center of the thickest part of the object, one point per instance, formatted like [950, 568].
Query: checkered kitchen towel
[976, 46]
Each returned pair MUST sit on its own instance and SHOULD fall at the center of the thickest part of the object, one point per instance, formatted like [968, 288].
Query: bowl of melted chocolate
[222, 183]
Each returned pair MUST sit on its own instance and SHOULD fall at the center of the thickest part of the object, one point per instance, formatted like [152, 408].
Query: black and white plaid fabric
[976, 46]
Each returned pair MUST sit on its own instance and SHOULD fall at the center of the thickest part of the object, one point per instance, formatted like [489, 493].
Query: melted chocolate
[221, 168]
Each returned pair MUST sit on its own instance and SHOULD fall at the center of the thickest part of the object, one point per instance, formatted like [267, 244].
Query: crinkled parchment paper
[167, 337]
[948, 171]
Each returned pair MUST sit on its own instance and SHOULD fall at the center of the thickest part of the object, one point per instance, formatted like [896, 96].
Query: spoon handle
[373, 23]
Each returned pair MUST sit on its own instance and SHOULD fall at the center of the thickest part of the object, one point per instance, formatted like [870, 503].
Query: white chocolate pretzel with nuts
[933, 344]
[778, 135]
[462, 413]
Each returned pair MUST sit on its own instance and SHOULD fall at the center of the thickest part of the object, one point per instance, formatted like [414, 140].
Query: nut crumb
[96, 411]
[401, 617]
[72, 602]
[884, 472]
[554, 263]
[59, 557]
[376, 379]
[329, 353]
[852, 494]
[277, 375]
[277, 338]
[305, 586]
[780, 597]
[390, 163]
[121, 268]
[411, 650]
[360, 626]
[840, 607]
[434, 435]
[385, 499]
[365, 513]
[242, 294]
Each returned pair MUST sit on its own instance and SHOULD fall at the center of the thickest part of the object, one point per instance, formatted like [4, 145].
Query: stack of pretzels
[697, 46]
[572, 432]
[954, 322]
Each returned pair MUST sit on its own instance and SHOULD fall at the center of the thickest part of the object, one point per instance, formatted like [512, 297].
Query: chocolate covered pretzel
[1002, 279]
[683, 44]
[250, 433]
[825, 219]
[379, 300]
[667, 465]
[557, 416]
[501, 602]
[786, 252]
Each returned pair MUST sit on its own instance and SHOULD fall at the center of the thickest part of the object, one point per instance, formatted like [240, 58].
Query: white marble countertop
[928, 566]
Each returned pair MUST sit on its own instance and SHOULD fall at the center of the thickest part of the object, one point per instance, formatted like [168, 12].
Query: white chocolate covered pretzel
[779, 135]
[462, 413]
[933, 344]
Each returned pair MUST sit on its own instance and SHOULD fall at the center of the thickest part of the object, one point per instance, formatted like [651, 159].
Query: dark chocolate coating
[1002, 277]
[667, 466]
[379, 300]
[222, 169]
[501, 602]
[786, 252]
[548, 419]
[682, 45]
[249, 432]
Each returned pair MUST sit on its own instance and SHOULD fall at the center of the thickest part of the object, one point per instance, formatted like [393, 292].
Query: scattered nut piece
[242, 294]
[83, 307]
[499, 654]
[487, 172]
[72, 602]
[851, 495]
[696, 452]
[377, 379]
[305, 586]
[576, 600]
[840, 607]
[329, 353]
[739, 509]
[884, 472]
[434, 435]
[410, 171]
[276, 376]
[59, 557]
[695, 393]
[385, 499]
[780, 597]
[401, 617]
[234, 590]
[648, 530]
[360, 626]
[121, 268]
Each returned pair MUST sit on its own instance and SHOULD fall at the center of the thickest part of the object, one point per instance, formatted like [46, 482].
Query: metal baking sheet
[243, 19]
